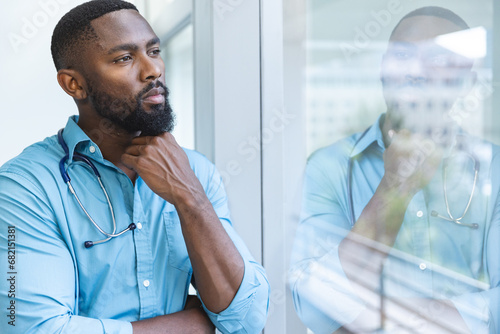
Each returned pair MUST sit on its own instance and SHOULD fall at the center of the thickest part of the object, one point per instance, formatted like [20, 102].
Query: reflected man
[400, 224]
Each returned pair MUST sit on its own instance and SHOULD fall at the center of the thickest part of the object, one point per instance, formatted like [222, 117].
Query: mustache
[152, 85]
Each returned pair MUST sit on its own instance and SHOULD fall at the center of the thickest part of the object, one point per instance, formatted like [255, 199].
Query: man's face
[125, 74]
[421, 79]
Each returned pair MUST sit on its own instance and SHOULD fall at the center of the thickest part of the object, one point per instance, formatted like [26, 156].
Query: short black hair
[435, 11]
[75, 29]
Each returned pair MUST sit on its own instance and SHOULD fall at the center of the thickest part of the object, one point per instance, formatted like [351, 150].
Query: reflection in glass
[400, 224]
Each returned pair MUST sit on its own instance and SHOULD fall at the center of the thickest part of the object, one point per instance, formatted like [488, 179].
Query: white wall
[33, 104]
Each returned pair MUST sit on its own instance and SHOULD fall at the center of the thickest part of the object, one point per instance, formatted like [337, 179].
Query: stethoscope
[67, 180]
[434, 213]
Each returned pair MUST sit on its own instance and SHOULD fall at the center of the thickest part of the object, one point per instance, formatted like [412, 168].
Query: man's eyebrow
[152, 42]
[124, 47]
[132, 46]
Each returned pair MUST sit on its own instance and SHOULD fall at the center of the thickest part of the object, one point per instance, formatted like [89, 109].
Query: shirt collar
[371, 135]
[77, 140]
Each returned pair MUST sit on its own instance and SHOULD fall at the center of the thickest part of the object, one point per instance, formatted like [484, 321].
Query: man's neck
[111, 139]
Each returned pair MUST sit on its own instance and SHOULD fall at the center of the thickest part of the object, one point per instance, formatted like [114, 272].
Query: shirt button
[422, 266]
[139, 226]
[146, 283]
[420, 214]
[92, 149]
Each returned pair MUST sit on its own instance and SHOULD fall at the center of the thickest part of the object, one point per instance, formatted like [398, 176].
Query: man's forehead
[123, 26]
[422, 28]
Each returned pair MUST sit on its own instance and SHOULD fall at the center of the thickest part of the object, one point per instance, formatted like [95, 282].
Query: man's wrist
[395, 190]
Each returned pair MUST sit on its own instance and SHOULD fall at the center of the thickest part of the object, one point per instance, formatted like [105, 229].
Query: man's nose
[152, 68]
[416, 73]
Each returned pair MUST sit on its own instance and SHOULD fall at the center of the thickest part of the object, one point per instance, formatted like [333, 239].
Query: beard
[129, 113]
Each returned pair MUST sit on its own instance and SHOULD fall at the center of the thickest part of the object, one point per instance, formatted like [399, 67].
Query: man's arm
[42, 292]
[223, 276]
[335, 270]
[381, 220]
[407, 170]
[192, 319]
[321, 292]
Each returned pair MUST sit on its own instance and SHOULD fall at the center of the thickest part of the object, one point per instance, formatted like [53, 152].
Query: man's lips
[155, 96]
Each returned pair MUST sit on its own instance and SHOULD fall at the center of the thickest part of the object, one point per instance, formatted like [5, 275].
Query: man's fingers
[130, 161]
[135, 150]
[141, 140]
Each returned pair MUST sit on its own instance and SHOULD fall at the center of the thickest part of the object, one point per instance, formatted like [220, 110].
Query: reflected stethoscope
[67, 180]
[434, 213]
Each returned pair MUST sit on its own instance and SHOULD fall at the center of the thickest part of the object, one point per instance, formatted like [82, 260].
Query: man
[104, 227]
[400, 224]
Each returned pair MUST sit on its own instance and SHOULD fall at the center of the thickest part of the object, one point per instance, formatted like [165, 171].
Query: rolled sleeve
[111, 326]
[247, 313]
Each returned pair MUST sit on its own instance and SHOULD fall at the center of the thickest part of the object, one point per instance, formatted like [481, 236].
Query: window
[178, 56]
[419, 261]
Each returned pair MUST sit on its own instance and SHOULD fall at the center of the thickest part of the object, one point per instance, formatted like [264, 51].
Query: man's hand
[165, 168]
[410, 162]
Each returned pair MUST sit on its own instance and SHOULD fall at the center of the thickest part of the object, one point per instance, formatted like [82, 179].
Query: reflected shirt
[62, 287]
[431, 257]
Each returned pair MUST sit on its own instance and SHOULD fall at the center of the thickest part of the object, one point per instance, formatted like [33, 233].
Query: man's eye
[155, 52]
[439, 61]
[123, 59]
[401, 55]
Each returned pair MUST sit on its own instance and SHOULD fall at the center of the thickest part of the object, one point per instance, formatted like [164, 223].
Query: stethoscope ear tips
[88, 244]
[132, 227]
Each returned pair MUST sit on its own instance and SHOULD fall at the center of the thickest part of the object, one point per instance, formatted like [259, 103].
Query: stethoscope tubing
[67, 180]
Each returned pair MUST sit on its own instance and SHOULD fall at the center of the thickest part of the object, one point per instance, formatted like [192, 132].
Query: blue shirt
[431, 258]
[58, 286]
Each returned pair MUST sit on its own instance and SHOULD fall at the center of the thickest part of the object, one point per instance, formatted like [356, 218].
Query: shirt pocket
[177, 252]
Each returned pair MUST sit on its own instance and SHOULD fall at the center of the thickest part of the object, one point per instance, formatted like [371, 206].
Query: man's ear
[382, 65]
[73, 83]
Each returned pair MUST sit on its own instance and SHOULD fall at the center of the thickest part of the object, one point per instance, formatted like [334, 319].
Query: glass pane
[178, 57]
[400, 204]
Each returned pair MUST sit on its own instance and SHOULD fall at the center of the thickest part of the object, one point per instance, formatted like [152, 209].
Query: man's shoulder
[195, 156]
[203, 168]
[338, 152]
[35, 161]
[329, 165]
[197, 160]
